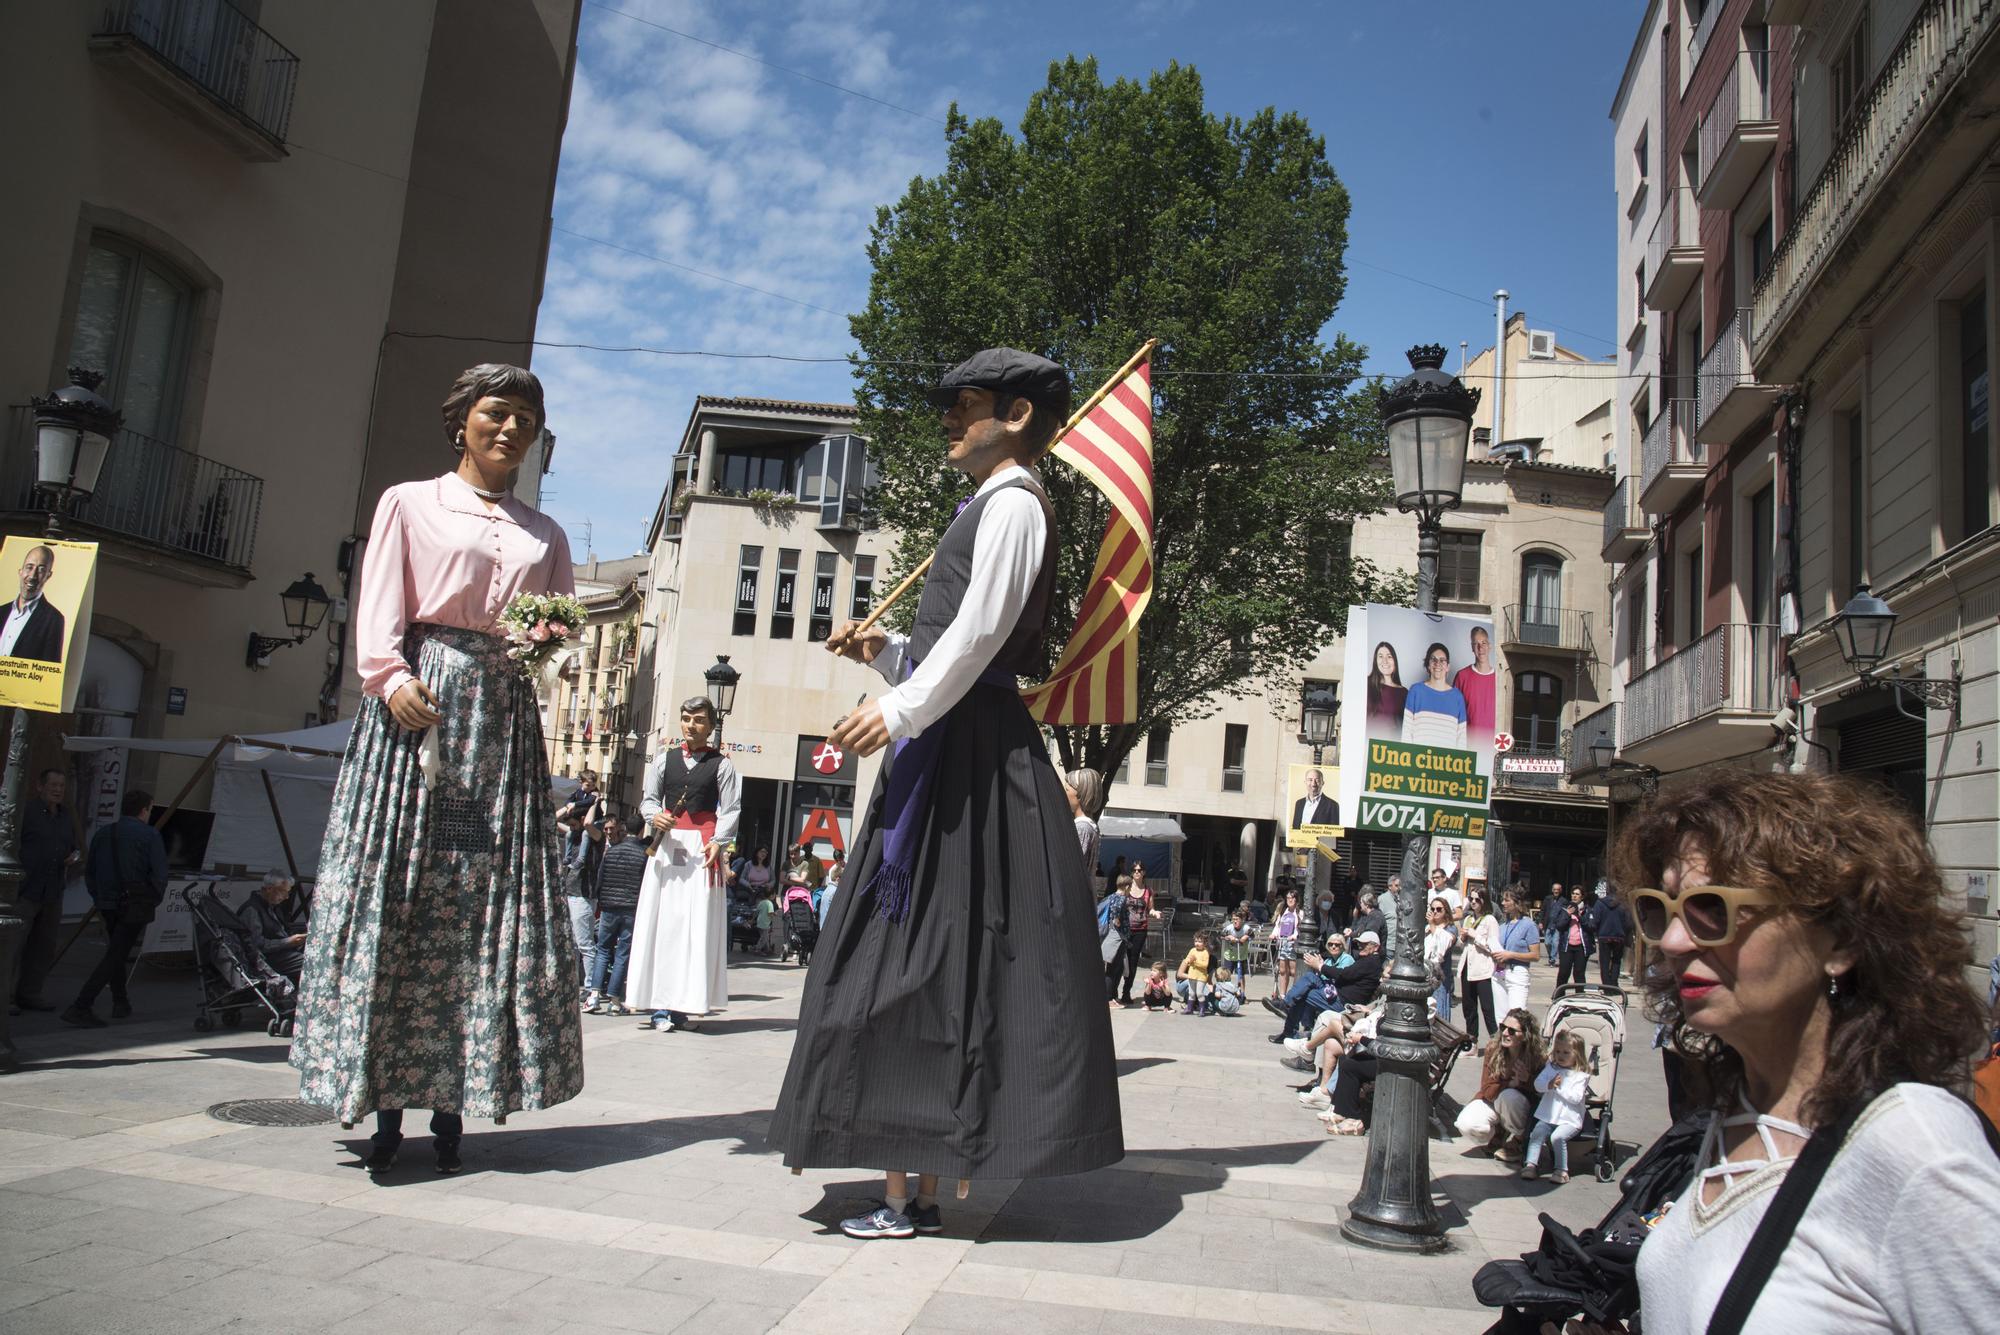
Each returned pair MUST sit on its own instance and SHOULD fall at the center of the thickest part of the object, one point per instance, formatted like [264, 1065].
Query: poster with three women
[1417, 724]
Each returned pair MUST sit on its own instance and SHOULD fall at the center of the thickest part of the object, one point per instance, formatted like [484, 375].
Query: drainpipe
[1499, 365]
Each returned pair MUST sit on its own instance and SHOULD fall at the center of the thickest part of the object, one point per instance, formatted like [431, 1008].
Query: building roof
[801, 406]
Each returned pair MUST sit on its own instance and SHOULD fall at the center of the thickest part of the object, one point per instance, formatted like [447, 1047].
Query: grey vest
[951, 573]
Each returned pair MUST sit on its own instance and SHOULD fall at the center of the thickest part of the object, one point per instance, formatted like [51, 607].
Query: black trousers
[1476, 997]
[38, 943]
[1356, 1069]
[124, 935]
[1572, 969]
[1610, 958]
[1134, 945]
[1114, 970]
[446, 1128]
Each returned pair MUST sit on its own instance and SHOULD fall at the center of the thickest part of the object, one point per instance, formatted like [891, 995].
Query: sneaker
[1529, 1172]
[381, 1160]
[1511, 1152]
[448, 1160]
[615, 1008]
[1558, 1178]
[34, 1004]
[121, 1010]
[1274, 1038]
[1295, 1045]
[927, 1218]
[1315, 1098]
[590, 1000]
[1273, 1005]
[881, 1222]
[597, 1008]
[74, 1014]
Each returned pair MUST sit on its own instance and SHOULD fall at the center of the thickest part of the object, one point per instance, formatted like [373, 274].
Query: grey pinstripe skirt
[970, 1039]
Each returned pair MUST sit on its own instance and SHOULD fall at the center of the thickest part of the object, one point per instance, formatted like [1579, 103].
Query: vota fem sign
[1417, 723]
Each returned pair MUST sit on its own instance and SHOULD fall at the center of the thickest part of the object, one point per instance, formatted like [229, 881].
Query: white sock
[926, 1202]
[897, 1204]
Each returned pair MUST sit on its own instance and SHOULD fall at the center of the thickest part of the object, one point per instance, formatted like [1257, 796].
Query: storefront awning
[1154, 826]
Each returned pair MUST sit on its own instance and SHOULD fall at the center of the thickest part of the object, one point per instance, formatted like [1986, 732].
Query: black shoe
[927, 1218]
[34, 1004]
[381, 1161]
[1274, 1038]
[121, 1010]
[1274, 1006]
[78, 1015]
[448, 1160]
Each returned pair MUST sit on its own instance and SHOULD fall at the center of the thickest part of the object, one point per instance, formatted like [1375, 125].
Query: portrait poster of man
[1311, 806]
[46, 622]
[1417, 722]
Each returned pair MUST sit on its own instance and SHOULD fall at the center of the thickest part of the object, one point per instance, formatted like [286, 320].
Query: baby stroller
[801, 922]
[234, 974]
[1596, 1014]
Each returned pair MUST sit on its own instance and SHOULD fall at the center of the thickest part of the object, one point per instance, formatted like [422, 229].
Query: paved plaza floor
[651, 1203]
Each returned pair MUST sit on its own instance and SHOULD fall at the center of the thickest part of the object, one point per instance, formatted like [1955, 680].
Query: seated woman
[1350, 1113]
[1813, 965]
[1500, 1114]
[276, 916]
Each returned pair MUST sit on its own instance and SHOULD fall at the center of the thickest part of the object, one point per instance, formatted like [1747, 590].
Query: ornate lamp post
[1429, 419]
[1319, 718]
[721, 679]
[305, 604]
[73, 431]
[1863, 628]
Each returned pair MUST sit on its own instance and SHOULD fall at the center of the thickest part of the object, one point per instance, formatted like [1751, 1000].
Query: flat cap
[1007, 371]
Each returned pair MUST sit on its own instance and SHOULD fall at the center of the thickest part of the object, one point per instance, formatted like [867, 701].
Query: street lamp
[1319, 717]
[1428, 415]
[305, 604]
[73, 430]
[721, 679]
[1863, 628]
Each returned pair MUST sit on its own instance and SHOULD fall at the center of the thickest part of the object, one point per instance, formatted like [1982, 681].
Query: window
[1762, 594]
[1235, 740]
[747, 562]
[1156, 758]
[1761, 247]
[833, 479]
[1694, 596]
[769, 468]
[1636, 639]
[1642, 155]
[820, 625]
[1541, 598]
[132, 320]
[1330, 548]
[1847, 75]
[1639, 293]
[1538, 703]
[1847, 426]
[1458, 567]
[1975, 404]
[863, 598]
[786, 599]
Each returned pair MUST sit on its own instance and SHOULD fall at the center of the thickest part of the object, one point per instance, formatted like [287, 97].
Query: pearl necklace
[500, 495]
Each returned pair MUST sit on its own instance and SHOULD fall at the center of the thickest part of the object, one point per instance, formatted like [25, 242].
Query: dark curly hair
[1844, 854]
[484, 381]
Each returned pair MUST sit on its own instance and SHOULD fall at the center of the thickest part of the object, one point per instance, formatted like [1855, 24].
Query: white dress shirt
[17, 621]
[1006, 558]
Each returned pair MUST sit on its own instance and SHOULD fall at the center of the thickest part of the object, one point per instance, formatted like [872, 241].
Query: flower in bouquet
[537, 626]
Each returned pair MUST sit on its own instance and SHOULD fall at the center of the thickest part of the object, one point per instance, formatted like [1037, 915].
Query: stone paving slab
[651, 1203]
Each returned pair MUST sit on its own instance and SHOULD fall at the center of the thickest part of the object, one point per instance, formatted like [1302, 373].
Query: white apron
[680, 938]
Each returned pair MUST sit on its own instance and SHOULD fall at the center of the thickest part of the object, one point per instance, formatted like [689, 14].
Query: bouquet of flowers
[538, 626]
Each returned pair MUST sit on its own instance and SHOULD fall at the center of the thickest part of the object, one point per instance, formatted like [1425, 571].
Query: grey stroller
[235, 976]
[1596, 1014]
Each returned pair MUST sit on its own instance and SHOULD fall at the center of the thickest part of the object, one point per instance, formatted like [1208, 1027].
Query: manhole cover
[271, 1112]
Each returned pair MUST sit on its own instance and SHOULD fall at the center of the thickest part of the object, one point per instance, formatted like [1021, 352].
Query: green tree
[1123, 212]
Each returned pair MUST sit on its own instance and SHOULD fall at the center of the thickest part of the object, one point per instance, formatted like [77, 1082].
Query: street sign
[827, 758]
[1503, 742]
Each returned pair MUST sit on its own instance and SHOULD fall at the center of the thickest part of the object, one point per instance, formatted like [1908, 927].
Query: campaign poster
[47, 622]
[1417, 722]
[1312, 806]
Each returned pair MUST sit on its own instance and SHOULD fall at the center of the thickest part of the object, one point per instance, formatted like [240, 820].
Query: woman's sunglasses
[1709, 913]
[1513, 1029]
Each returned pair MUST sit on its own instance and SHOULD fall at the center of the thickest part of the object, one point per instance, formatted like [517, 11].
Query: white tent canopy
[1153, 826]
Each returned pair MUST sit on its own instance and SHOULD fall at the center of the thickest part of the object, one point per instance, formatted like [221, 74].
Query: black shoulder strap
[1774, 1231]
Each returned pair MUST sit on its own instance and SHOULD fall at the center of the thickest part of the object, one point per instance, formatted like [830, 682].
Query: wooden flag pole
[1090, 405]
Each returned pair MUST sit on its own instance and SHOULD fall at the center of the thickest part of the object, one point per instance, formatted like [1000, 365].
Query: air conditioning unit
[1542, 345]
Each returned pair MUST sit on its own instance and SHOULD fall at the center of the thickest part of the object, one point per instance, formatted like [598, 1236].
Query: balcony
[1731, 400]
[1672, 461]
[185, 516]
[207, 59]
[1738, 135]
[1625, 531]
[1673, 251]
[1916, 131]
[1548, 629]
[1591, 727]
[1787, 12]
[1713, 699]
[1704, 28]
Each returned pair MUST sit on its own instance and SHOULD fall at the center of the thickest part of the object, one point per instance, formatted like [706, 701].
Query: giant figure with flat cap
[951, 1026]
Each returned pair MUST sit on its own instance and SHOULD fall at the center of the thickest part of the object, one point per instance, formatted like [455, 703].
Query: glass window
[1458, 567]
[747, 562]
[1975, 403]
[784, 603]
[1694, 596]
[1541, 598]
[1849, 426]
[820, 624]
[1156, 758]
[1537, 710]
[863, 598]
[1847, 75]
[1762, 597]
[132, 320]
[1235, 741]
[1642, 154]
[769, 468]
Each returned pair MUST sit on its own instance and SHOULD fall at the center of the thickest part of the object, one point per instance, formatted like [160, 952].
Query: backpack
[1107, 914]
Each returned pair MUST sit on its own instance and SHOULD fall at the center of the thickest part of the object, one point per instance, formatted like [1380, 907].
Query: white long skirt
[680, 938]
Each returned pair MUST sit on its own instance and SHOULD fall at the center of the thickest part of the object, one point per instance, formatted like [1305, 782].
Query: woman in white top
[1479, 935]
[1766, 896]
[1440, 936]
[1085, 790]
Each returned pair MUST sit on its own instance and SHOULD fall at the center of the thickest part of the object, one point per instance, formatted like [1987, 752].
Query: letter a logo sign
[828, 758]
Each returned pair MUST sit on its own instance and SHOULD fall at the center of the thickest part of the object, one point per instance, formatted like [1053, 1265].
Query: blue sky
[1474, 140]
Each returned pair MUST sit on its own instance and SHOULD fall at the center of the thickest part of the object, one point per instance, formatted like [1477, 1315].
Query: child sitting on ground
[1228, 992]
[1159, 993]
[1192, 980]
[1564, 1084]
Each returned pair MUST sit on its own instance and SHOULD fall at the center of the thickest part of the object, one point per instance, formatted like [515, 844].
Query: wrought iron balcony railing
[219, 49]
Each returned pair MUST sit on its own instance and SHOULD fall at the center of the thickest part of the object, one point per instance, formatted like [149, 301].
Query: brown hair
[1524, 1059]
[1843, 854]
[487, 380]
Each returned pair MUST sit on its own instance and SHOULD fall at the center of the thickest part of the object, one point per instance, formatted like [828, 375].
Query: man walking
[127, 875]
[48, 852]
[621, 870]
[1552, 906]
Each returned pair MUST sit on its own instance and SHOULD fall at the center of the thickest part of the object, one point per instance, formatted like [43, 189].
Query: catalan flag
[1096, 679]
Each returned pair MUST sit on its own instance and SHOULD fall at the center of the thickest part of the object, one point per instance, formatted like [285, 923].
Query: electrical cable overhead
[1484, 302]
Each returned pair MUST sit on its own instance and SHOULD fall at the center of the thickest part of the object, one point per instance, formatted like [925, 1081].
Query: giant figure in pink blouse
[440, 968]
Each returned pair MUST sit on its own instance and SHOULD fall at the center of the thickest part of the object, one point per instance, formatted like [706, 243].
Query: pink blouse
[437, 554]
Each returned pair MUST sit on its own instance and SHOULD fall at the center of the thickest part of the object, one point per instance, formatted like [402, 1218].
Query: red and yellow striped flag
[1096, 679]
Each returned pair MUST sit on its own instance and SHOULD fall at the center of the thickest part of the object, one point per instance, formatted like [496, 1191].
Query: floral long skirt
[440, 966]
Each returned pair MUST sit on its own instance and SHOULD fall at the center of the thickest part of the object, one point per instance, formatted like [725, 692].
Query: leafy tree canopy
[1125, 212]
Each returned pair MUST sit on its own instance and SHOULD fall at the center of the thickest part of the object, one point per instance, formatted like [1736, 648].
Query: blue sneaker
[927, 1218]
[881, 1222]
